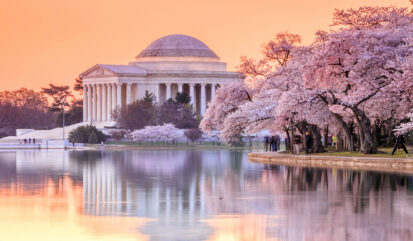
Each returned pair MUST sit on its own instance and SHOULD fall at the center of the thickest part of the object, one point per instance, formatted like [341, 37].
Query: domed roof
[177, 45]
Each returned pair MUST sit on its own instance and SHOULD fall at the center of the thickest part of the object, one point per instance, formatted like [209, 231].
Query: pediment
[97, 71]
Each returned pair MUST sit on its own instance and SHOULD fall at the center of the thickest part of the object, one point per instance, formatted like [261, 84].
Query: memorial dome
[177, 45]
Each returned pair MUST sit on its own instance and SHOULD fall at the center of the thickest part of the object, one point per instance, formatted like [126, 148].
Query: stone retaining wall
[356, 163]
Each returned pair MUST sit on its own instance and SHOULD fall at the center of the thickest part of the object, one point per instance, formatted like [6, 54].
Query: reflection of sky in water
[194, 195]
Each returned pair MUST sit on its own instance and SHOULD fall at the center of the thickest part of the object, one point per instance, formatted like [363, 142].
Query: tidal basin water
[194, 195]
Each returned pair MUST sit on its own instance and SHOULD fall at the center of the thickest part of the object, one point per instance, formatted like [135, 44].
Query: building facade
[171, 64]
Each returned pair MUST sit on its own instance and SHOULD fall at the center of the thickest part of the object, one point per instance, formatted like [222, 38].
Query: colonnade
[101, 100]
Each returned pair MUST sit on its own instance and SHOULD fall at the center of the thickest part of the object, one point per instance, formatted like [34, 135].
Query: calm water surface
[194, 195]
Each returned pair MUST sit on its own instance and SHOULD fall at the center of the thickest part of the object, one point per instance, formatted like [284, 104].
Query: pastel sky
[53, 41]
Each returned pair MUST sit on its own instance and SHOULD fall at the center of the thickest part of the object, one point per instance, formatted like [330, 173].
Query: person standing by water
[399, 144]
[287, 143]
[297, 144]
[307, 142]
[266, 142]
[335, 141]
[272, 143]
[276, 141]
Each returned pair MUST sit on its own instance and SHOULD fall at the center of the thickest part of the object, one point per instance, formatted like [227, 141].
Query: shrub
[86, 134]
[193, 134]
[93, 139]
[118, 134]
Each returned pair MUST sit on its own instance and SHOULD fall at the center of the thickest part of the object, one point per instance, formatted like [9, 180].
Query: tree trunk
[292, 140]
[325, 133]
[376, 133]
[369, 146]
[287, 145]
[317, 144]
[361, 139]
[389, 135]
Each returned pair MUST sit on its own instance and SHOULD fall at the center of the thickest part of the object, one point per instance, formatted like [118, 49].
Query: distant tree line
[29, 109]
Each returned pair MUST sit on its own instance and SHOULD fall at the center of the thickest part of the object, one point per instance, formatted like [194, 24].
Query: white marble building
[171, 64]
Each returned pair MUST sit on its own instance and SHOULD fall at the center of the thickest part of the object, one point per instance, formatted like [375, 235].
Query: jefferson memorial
[171, 64]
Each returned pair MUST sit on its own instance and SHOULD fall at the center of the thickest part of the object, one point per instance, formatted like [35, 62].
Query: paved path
[357, 163]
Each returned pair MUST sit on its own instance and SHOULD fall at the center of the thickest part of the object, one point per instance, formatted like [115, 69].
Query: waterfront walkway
[356, 163]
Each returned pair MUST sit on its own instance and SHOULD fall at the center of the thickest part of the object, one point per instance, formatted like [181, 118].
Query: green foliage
[86, 134]
[144, 112]
[78, 86]
[93, 139]
[176, 113]
[137, 115]
[149, 98]
[237, 143]
[183, 98]
[73, 115]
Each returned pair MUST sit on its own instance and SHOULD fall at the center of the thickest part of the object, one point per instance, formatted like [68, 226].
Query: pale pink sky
[53, 41]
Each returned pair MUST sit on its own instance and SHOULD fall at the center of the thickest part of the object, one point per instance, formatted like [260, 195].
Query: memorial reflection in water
[195, 195]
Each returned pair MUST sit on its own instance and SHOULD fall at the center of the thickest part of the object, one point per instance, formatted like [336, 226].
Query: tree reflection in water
[359, 184]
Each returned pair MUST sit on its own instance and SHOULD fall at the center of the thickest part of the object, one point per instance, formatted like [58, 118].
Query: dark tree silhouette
[193, 134]
[24, 108]
[136, 115]
[78, 86]
[59, 95]
[183, 98]
[176, 113]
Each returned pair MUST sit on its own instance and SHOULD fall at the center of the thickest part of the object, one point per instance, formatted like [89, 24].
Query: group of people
[308, 143]
[272, 143]
[28, 141]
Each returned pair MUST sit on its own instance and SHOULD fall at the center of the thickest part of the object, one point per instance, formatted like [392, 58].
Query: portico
[175, 63]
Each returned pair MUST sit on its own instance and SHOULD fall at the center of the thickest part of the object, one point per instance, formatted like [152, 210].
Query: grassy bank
[382, 152]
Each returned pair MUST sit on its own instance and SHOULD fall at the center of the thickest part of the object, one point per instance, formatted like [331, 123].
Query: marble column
[203, 99]
[114, 103]
[109, 104]
[94, 103]
[89, 103]
[119, 96]
[213, 88]
[99, 103]
[137, 92]
[168, 91]
[84, 103]
[104, 102]
[180, 88]
[128, 94]
[192, 95]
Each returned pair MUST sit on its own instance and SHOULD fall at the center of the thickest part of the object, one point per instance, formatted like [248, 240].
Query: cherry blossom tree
[363, 63]
[166, 132]
[405, 127]
[353, 78]
[227, 100]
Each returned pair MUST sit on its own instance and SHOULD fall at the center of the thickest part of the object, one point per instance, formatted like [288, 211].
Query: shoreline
[121, 147]
[382, 164]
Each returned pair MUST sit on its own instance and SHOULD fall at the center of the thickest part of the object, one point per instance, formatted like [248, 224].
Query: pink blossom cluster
[166, 132]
